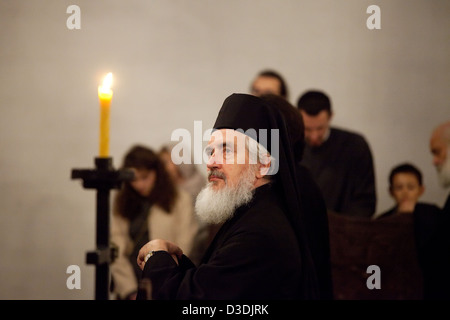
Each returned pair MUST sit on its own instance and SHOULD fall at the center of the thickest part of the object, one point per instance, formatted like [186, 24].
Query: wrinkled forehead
[226, 136]
[437, 143]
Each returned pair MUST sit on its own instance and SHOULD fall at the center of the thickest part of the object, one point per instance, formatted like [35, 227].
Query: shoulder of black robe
[316, 220]
[253, 115]
[433, 244]
[446, 208]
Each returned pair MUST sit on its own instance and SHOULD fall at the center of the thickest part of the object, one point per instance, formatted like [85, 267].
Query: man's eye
[209, 152]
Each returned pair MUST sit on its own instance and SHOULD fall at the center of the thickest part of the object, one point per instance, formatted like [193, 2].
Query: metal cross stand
[103, 178]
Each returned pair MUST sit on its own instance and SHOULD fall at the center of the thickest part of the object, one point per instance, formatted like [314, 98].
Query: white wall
[174, 62]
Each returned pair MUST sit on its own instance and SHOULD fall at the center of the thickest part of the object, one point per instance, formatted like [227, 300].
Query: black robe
[254, 255]
[431, 230]
[316, 219]
[439, 257]
[344, 171]
[446, 207]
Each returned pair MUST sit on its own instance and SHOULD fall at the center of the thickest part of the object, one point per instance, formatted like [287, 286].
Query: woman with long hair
[150, 206]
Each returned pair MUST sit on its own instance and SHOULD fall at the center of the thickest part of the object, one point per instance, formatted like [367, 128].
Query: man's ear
[263, 167]
[330, 116]
[391, 191]
[422, 190]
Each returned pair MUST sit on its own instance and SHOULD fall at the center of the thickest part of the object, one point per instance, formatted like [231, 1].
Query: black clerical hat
[243, 111]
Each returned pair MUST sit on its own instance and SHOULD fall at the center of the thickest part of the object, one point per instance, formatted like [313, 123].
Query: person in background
[269, 82]
[340, 161]
[440, 151]
[150, 206]
[185, 175]
[406, 187]
[188, 177]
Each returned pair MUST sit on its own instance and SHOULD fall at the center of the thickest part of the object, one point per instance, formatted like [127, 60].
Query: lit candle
[105, 95]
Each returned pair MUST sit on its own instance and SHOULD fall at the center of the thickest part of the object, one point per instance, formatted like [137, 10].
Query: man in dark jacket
[440, 150]
[440, 256]
[261, 251]
[340, 161]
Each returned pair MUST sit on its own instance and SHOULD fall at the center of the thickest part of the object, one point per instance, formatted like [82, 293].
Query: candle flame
[107, 81]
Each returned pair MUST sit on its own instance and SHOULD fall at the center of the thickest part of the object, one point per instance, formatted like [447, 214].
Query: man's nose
[141, 185]
[212, 162]
[137, 186]
[315, 138]
[437, 161]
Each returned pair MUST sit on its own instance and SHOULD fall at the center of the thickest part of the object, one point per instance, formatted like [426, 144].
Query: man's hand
[158, 245]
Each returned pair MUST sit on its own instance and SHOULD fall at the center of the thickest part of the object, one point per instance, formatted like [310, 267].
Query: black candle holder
[103, 178]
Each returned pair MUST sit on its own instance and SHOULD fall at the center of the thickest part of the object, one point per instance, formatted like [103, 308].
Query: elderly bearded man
[438, 254]
[260, 251]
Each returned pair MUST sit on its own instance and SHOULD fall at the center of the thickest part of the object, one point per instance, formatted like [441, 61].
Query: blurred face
[406, 188]
[170, 166]
[441, 158]
[438, 149]
[144, 181]
[266, 85]
[316, 127]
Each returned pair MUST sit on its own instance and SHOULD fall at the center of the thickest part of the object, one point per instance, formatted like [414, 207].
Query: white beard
[444, 172]
[217, 206]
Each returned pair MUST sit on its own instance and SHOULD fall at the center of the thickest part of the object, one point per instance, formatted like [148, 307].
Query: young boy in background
[406, 187]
